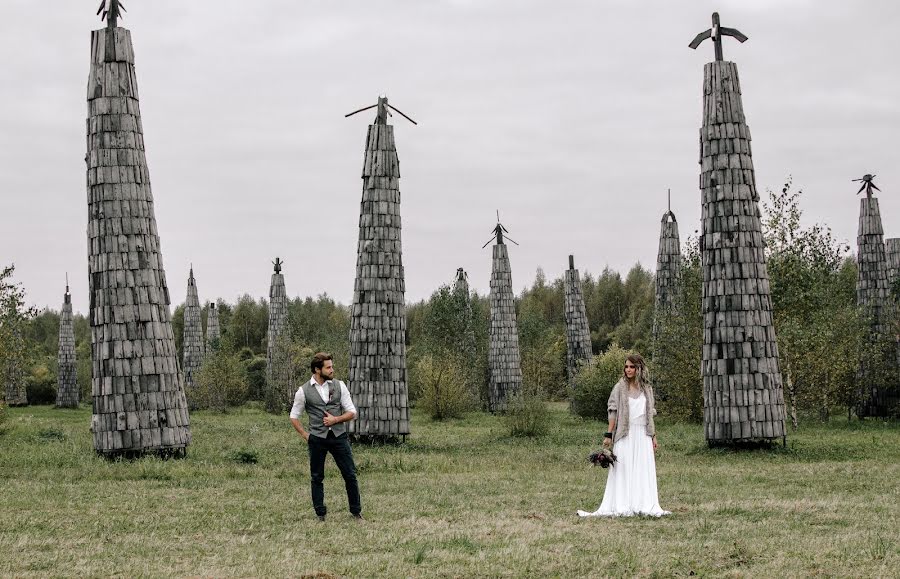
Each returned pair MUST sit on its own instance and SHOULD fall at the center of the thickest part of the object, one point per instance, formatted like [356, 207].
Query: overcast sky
[570, 117]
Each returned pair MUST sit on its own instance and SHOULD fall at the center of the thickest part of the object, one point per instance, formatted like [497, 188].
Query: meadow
[460, 498]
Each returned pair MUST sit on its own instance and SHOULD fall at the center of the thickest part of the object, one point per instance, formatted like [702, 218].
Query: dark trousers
[339, 447]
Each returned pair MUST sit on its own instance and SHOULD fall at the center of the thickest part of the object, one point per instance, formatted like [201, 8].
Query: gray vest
[316, 407]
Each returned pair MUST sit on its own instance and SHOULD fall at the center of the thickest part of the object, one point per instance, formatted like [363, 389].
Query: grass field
[460, 498]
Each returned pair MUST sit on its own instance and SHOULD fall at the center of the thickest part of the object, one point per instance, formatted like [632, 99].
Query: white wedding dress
[631, 484]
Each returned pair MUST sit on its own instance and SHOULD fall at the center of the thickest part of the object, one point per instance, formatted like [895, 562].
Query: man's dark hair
[318, 361]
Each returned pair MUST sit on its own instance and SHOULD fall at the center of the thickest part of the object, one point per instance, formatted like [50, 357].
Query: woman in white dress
[631, 484]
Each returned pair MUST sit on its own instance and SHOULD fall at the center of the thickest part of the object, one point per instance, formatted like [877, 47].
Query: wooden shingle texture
[279, 385]
[743, 397]
[139, 403]
[668, 284]
[213, 329]
[193, 346]
[377, 373]
[67, 394]
[873, 294]
[578, 333]
[504, 361]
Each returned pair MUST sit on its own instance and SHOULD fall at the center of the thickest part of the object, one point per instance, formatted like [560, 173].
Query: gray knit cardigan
[617, 409]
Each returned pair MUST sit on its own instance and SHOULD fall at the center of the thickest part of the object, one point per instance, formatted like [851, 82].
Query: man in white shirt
[329, 406]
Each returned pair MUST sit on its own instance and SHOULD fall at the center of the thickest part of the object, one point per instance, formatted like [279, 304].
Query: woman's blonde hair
[641, 374]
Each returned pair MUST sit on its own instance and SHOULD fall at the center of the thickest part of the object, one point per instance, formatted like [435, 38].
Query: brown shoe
[358, 516]
[321, 518]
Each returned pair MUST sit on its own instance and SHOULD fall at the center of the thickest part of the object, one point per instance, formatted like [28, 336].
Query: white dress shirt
[322, 389]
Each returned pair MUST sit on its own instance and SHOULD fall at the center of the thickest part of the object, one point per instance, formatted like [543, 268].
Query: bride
[631, 485]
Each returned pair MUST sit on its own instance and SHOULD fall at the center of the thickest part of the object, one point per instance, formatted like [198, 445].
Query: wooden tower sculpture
[668, 284]
[213, 329]
[743, 397]
[504, 361]
[377, 373]
[193, 350]
[877, 393]
[578, 333]
[139, 403]
[67, 395]
[469, 346]
[279, 383]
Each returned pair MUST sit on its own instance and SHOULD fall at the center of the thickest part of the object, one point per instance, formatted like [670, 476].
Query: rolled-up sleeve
[612, 406]
[299, 403]
[347, 402]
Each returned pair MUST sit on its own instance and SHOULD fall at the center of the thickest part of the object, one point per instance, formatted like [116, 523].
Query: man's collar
[312, 381]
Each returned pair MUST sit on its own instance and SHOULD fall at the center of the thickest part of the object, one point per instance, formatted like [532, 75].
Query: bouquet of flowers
[603, 458]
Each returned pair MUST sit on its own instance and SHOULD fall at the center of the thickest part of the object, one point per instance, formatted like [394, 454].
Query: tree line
[822, 333]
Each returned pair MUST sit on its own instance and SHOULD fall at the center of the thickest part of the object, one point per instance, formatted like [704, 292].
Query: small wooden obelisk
[668, 282]
[192, 343]
[213, 329]
[139, 405]
[67, 394]
[468, 345]
[279, 384]
[578, 332]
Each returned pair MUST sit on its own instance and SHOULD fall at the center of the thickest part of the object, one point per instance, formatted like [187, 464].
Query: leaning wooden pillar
[743, 396]
[377, 373]
[279, 383]
[139, 404]
[578, 332]
[192, 342]
[67, 394]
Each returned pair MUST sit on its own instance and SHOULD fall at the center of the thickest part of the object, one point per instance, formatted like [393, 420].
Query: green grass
[460, 498]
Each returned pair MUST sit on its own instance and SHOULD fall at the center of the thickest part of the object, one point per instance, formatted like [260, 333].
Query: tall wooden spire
[743, 398]
[877, 395]
[137, 385]
[377, 373]
[504, 361]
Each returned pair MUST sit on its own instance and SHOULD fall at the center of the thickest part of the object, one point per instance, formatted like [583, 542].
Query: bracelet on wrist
[607, 435]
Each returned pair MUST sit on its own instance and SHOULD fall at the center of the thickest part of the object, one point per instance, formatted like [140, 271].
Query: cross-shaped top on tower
[716, 33]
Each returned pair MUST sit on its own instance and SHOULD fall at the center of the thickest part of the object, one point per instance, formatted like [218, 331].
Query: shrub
[40, 385]
[221, 382]
[595, 381]
[441, 388]
[256, 377]
[526, 415]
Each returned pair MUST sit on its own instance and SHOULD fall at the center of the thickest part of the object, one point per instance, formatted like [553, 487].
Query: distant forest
[822, 334]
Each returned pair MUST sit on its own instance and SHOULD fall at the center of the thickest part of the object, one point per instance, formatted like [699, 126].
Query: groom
[328, 404]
